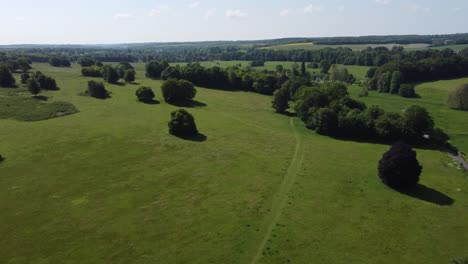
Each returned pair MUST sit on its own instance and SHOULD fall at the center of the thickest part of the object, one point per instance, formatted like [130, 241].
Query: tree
[399, 167]
[155, 68]
[97, 90]
[33, 86]
[395, 82]
[122, 68]
[324, 121]
[144, 94]
[59, 61]
[390, 126]
[303, 69]
[407, 91]
[418, 121]
[129, 75]
[279, 68]
[6, 78]
[325, 66]
[182, 124]
[178, 90]
[371, 72]
[280, 100]
[458, 98]
[86, 61]
[384, 82]
[110, 74]
[25, 77]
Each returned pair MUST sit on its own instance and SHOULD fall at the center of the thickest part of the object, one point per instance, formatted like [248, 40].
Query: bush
[257, 63]
[129, 75]
[280, 100]
[6, 78]
[458, 98]
[407, 91]
[25, 77]
[399, 167]
[110, 74]
[92, 71]
[324, 121]
[182, 124]
[1, 158]
[59, 62]
[86, 61]
[144, 94]
[33, 86]
[97, 90]
[178, 90]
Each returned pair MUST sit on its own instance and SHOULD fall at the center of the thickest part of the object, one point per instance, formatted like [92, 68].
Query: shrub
[407, 91]
[92, 71]
[110, 74]
[144, 94]
[1, 158]
[280, 100]
[33, 86]
[25, 77]
[129, 75]
[257, 63]
[458, 98]
[399, 167]
[97, 90]
[178, 90]
[6, 78]
[182, 124]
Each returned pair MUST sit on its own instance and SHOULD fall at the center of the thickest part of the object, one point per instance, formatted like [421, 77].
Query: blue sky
[125, 21]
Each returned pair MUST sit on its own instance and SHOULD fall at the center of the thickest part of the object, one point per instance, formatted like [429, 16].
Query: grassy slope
[109, 185]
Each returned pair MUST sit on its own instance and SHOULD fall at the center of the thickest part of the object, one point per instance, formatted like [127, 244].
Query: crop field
[357, 47]
[106, 183]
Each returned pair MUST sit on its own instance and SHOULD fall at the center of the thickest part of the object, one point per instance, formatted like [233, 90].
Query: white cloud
[20, 18]
[286, 12]
[341, 8]
[122, 16]
[383, 2]
[236, 14]
[156, 12]
[418, 9]
[457, 9]
[194, 4]
[209, 13]
[309, 9]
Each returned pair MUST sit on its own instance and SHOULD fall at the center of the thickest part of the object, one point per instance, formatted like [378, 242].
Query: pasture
[108, 184]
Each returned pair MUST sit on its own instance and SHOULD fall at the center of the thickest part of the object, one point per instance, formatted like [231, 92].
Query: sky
[136, 21]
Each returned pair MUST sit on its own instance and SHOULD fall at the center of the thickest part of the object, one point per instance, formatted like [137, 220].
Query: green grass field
[312, 46]
[110, 185]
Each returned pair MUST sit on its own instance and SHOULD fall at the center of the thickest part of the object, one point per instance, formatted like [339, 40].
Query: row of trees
[328, 109]
[123, 70]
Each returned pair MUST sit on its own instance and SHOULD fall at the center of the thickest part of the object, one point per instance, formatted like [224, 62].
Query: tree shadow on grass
[429, 195]
[150, 102]
[41, 98]
[189, 104]
[197, 138]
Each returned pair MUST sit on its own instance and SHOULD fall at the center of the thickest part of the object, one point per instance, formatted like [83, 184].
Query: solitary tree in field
[33, 86]
[144, 94]
[458, 98]
[182, 124]
[97, 90]
[399, 167]
[129, 75]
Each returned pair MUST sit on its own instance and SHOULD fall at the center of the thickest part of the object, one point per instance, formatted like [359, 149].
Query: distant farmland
[312, 46]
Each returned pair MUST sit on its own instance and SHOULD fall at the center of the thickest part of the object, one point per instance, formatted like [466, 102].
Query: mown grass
[20, 105]
[110, 185]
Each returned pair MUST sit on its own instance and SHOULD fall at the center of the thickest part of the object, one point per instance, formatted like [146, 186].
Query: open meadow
[108, 184]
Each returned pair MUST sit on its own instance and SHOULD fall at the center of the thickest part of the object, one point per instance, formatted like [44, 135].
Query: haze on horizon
[124, 21]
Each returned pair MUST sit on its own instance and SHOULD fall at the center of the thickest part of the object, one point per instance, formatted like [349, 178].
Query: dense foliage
[45, 82]
[110, 74]
[59, 61]
[328, 109]
[33, 86]
[458, 97]
[174, 90]
[182, 124]
[129, 75]
[145, 94]
[91, 71]
[399, 167]
[6, 78]
[155, 68]
[97, 90]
